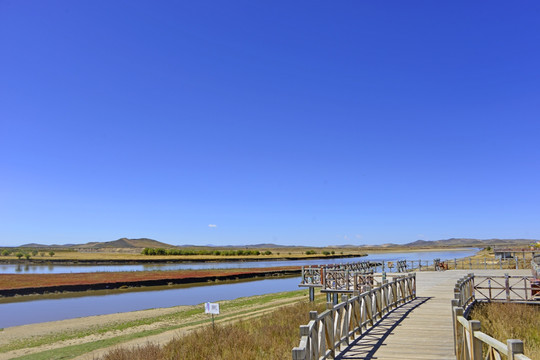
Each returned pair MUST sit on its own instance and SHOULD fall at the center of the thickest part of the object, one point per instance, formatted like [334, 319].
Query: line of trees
[161, 251]
[24, 253]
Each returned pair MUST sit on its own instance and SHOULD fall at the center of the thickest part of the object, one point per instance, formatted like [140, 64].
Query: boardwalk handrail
[347, 281]
[314, 275]
[535, 266]
[469, 341]
[323, 336]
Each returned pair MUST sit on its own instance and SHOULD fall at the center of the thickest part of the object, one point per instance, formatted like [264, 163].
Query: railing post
[458, 342]
[311, 294]
[298, 354]
[515, 347]
[507, 286]
[476, 345]
[455, 303]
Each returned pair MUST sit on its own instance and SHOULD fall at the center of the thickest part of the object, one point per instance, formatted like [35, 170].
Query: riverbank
[73, 258]
[91, 337]
[27, 284]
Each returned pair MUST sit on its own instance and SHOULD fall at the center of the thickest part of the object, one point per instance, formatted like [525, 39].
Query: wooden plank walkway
[421, 329]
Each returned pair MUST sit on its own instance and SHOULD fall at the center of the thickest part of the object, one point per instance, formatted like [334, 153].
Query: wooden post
[335, 298]
[458, 341]
[311, 294]
[507, 286]
[515, 347]
[455, 303]
[476, 344]
[455, 264]
[298, 354]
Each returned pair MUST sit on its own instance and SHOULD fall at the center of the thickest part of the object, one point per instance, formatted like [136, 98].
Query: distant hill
[469, 242]
[124, 243]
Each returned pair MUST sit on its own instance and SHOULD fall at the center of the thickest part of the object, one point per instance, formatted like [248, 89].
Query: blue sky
[243, 122]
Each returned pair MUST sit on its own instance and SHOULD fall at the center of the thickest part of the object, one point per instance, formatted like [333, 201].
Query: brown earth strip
[26, 284]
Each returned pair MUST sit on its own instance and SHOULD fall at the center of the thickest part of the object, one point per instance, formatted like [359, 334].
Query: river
[60, 269]
[25, 310]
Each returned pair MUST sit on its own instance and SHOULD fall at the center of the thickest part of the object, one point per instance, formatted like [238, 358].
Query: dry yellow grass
[270, 337]
[511, 321]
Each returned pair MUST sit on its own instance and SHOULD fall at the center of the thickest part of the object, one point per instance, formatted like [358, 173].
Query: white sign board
[211, 308]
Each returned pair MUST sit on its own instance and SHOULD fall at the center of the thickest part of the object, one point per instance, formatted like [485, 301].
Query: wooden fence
[470, 343]
[347, 281]
[535, 266]
[314, 275]
[324, 335]
[462, 264]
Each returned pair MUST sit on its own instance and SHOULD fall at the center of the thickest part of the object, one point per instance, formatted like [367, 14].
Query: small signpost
[211, 308]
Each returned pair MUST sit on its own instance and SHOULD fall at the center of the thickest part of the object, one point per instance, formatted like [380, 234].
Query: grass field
[511, 321]
[124, 254]
[271, 336]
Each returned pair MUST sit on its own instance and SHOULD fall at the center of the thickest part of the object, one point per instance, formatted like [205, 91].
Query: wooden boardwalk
[421, 329]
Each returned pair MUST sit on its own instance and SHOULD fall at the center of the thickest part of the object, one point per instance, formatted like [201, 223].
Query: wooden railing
[314, 275]
[324, 335]
[466, 264]
[347, 281]
[470, 343]
[535, 266]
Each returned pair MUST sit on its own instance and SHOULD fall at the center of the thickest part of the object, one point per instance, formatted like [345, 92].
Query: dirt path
[93, 327]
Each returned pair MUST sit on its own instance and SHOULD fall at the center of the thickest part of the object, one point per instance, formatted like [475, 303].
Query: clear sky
[287, 122]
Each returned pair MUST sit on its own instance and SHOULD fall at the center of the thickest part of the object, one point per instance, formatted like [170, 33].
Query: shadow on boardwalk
[369, 342]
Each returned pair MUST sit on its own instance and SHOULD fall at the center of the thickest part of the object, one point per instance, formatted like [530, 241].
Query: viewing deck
[422, 329]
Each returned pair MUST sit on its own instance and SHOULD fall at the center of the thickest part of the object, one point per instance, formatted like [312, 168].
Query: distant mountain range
[125, 243]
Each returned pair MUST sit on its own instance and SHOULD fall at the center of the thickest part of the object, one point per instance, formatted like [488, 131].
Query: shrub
[34, 252]
[6, 252]
[27, 256]
[267, 252]
[326, 253]
[51, 253]
[19, 255]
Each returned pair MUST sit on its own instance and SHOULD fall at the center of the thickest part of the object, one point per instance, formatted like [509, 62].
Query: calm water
[57, 269]
[27, 312]
[20, 311]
